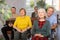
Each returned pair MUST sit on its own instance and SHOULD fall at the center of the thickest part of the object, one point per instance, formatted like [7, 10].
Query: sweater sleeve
[30, 23]
[48, 30]
[33, 29]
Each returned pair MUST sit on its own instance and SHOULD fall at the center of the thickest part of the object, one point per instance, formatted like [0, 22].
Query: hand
[54, 26]
[10, 24]
[37, 34]
[41, 35]
[24, 30]
[19, 30]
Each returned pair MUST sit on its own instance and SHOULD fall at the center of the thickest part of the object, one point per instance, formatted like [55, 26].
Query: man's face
[35, 9]
[13, 10]
[50, 11]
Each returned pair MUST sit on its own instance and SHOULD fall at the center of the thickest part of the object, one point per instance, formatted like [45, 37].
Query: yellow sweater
[22, 22]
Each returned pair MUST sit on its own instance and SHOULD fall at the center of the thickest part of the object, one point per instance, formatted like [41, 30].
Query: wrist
[28, 28]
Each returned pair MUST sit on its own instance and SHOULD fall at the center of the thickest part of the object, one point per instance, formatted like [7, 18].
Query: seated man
[9, 25]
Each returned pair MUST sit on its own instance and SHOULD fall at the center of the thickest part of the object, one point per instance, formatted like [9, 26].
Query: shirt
[14, 15]
[52, 19]
[22, 23]
[34, 15]
[41, 23]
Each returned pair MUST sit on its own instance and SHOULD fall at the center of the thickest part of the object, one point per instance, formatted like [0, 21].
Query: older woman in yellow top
[22, 24]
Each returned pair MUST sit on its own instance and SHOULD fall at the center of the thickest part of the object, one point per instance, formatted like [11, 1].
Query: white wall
[16, 3]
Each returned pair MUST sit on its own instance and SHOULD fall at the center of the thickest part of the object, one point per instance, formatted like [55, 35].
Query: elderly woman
[22, 24]
[41, 27]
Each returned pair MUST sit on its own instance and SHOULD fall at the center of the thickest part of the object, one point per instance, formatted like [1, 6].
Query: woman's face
[22, 12]
[41, 14]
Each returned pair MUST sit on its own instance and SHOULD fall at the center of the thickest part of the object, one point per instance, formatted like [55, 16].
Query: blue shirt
[52, 19]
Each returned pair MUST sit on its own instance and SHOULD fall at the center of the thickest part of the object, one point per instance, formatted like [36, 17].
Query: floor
[58, 32]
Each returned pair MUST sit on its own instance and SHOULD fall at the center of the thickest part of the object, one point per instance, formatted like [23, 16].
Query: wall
[16, 3]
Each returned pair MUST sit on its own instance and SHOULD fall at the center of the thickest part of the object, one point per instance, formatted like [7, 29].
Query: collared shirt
[52, 19]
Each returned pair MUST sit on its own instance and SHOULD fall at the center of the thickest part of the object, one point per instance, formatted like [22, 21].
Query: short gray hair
[43, 10]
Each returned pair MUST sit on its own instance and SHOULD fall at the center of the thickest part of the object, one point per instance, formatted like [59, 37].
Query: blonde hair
[43, 10]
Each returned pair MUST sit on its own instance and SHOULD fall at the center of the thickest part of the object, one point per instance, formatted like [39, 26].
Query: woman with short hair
[22, 24]
[41, 27]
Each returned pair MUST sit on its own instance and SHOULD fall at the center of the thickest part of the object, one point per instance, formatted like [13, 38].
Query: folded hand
[24, 30]
[19, 30]
[39, 35]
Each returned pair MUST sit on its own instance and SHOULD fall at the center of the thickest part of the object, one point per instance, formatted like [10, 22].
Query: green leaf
[2, 1]
[32, 3]
[41, 4]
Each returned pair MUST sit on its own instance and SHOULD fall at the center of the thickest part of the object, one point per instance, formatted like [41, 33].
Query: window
[29, 6]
